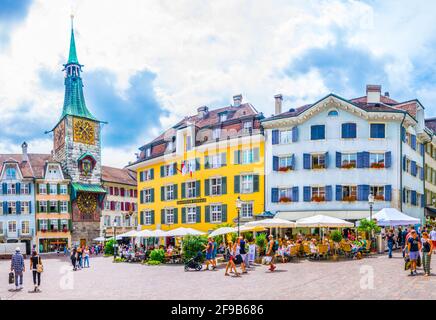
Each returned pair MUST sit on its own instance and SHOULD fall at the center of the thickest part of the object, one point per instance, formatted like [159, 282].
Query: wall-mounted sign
[189, 201]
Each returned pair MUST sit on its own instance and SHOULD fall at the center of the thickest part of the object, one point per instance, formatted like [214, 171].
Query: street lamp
[115, 239]
[371, 203]
[238, 209]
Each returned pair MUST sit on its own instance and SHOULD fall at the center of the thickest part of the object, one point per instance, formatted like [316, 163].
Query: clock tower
[77, 146]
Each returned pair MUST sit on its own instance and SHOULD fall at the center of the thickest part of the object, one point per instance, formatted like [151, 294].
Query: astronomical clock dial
[84, 131]
[59, 135]
[87, 203]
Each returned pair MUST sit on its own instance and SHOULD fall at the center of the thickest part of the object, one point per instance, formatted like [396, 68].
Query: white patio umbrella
[393, 217]
[181, 232]
[158, 233]
[144, 234]
[99, 239]
[128, 234]
[321, 221]
[221, 231]
[271, 223]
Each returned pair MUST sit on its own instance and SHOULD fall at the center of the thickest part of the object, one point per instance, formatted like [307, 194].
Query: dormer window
[11, 173]
[223, 117]
[148, 152]
[216, 133]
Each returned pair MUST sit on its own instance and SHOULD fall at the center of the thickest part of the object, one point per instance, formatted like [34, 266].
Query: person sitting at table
[313, 247]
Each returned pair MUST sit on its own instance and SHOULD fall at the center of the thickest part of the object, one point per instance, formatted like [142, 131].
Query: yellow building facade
[53, 210]
[199, 168]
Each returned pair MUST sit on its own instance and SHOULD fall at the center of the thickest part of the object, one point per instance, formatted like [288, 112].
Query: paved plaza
[376, 277]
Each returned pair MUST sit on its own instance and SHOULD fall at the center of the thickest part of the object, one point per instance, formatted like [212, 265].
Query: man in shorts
[414, 247]
[270, 252]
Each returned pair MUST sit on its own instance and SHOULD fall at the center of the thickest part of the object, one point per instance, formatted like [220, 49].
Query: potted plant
[379, 197]
[285, 169]
[349, 198]
[369, 228]
[349, 165]
[318, 198]
[318, 166]
[336, 236]
[261, 245]
[377, 165]
[285, 199]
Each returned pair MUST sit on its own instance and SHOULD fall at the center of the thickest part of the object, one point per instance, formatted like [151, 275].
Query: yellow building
[192, 174]
[430, 170]
[53, 208]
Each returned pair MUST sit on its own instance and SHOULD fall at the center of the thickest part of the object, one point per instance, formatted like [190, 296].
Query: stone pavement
[376, 277]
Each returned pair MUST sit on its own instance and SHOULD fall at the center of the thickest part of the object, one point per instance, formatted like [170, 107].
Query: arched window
[333, 113]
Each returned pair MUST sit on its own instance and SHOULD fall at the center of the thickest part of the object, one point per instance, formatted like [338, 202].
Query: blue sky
[148, 63]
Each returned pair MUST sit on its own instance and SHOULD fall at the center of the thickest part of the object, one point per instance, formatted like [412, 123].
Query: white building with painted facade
[327, 157]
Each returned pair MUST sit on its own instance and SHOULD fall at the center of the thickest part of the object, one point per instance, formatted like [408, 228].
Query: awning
[345, 215]
[82, 187]
[430, 211]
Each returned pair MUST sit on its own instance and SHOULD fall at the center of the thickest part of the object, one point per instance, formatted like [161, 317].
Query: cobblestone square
[376, 277]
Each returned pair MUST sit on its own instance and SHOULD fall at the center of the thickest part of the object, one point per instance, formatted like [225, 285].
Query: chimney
[202, 112]
[387, 94]
[373, 93]
[24, 149]
[237, 100]
[278, 103]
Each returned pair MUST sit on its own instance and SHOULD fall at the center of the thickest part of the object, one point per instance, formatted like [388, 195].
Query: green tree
[261, 242]
[192, 245]
[368, 226]
[157, 255]
[109, 247]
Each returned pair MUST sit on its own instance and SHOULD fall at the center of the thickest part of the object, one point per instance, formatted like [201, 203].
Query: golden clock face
[84, 131]
[87, 202]
[59, 135]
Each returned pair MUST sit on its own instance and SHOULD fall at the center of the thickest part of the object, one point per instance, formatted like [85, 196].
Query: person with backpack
[17, 266]
[390, 240]
[73, 258]
[37, 268]
[414, 247]
[270, 252]
[427, 248]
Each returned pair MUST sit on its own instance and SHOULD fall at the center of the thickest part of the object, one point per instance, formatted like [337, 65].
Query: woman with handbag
[37, 268]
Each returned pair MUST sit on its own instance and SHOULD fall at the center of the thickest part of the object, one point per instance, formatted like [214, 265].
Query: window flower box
[349, 199]
[377, 165]
[348, 166]
[43, 230]
[285, 169]
[318, 166]
[64, 230]
[318, 198]
[285, 199]
[379, 197]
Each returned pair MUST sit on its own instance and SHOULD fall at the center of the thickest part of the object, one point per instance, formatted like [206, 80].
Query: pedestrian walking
[414, 247]
[214, 253]
[270, 252]
[427, 248]
[390, 241]
[79, 258]
[73, 258]
[231, 263]
[241, 253]
[17, 266]
[37, 268]
[209, 253]
[86, 258]
[433, 238]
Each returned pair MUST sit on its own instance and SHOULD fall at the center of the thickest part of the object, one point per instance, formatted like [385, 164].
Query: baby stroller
[194, 263]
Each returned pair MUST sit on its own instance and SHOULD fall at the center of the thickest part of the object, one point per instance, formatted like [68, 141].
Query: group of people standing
[80, 257]
[18, 268]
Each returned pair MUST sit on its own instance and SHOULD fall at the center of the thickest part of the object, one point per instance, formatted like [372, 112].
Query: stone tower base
[84, 232]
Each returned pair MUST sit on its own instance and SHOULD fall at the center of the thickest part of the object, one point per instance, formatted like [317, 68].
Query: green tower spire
[74, 100]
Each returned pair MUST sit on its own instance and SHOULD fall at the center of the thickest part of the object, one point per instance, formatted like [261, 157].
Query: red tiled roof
[29, 169]
[383, 99]
[116, 175]
[431, 124]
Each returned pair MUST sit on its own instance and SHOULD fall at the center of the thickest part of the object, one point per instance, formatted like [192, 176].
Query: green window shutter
[198, 209]
[162, 216]
[175, 168]
[175, 191]
[237, 184]
[198, 188]
[59, 224]
[161, 171]
[58, 188]
[162, 193]
[152, 216]
[37, 188]
[69, 189]
[70, 209]
[206, 187]
[256, 183]
[183, 215]
[224, 212]
[59, 207]
[141, 218]
[224, 185]
[39, 225]
[176, 215]
[207, 214]
[223, 159]
[37, 207]
[48, 188]
[183, 190]
[237, 157]
[70, 225]
[206, 162]
[256, 155]
[152, 194]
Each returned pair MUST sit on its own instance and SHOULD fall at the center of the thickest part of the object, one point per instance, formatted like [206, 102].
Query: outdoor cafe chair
[323, 250]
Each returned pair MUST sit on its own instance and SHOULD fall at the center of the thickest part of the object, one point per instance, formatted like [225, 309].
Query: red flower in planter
[350, 198]
[379, 197]
[318, 198]
[285, 169]
[285, 199]
[377, 165]
[348, 166]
